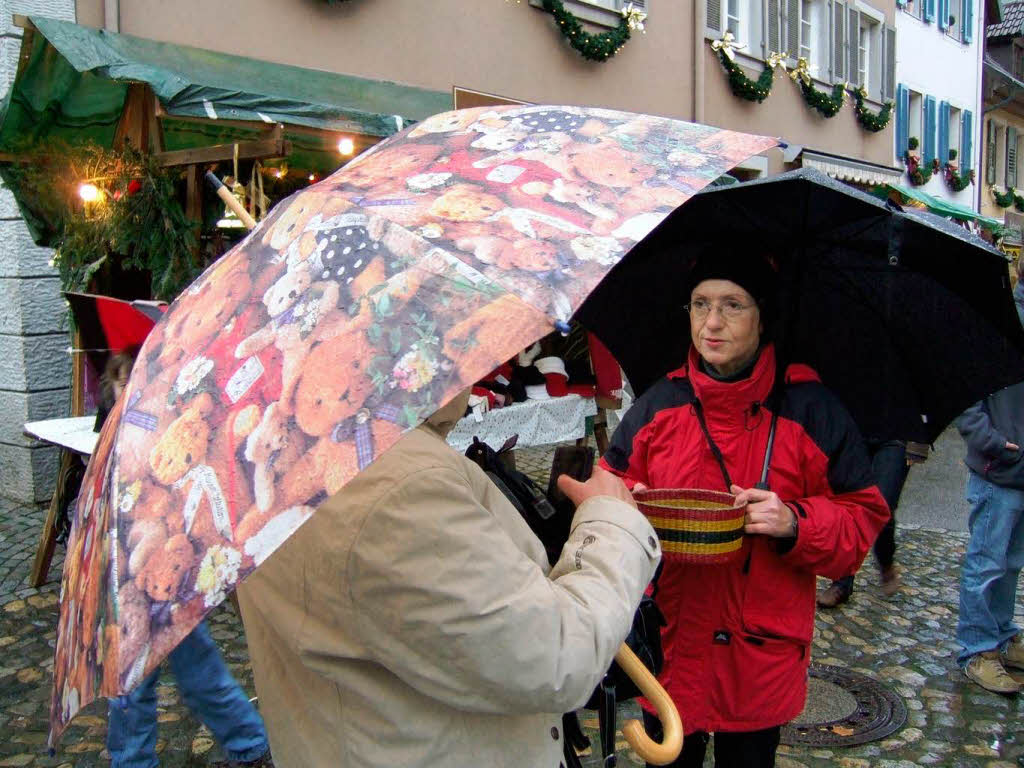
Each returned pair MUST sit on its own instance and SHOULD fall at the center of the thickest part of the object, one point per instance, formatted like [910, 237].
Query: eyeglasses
[729, 309]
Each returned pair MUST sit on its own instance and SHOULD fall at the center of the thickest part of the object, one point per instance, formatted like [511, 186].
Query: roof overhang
[848, 169]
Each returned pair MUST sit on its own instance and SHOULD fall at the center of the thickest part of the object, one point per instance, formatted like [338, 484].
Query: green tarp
[75, 81]
[941, 207]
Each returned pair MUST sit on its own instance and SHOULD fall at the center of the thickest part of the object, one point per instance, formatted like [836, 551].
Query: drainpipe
[112, 15]
[699, 9]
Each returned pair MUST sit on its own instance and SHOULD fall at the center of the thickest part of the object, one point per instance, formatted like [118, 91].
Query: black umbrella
[905, 315]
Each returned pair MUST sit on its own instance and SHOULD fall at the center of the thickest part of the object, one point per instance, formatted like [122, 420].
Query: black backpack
[549, 517]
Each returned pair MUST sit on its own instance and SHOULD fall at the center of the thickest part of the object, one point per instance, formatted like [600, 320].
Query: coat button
[554, 734]
[653, 542]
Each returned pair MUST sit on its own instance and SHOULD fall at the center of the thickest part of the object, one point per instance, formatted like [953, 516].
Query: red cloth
[760, 608]
[492, 401]
[606, 368]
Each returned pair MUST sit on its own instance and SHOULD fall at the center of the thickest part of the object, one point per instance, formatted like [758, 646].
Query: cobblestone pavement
[906, 642]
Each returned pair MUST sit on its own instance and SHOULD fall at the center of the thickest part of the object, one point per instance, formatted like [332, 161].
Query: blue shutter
[967, 21]
[966, 140]
[902, 120]
[929, 10]
[928, 141]
[943, 14]
[944, 132]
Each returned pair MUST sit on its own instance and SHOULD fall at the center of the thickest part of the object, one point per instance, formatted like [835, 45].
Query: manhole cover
[845, 708]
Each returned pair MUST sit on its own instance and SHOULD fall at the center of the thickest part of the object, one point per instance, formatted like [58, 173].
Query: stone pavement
[906, 642]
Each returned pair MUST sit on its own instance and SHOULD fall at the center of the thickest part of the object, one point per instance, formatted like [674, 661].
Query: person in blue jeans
[210, 692]
[994, 432]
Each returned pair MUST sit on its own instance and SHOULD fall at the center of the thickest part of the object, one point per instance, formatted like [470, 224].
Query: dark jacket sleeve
[980, 434]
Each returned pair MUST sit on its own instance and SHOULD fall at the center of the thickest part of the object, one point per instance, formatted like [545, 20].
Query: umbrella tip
[562, 327]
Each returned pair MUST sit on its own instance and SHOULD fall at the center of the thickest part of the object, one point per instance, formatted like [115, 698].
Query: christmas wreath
[957, 181]
[595, 46]
[1006, 199]
[871, 121]
[825, 104]
[919, 173]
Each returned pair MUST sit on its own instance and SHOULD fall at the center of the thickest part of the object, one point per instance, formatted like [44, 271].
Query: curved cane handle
[633, 730]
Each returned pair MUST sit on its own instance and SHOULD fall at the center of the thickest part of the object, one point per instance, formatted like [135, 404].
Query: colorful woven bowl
[694, 526]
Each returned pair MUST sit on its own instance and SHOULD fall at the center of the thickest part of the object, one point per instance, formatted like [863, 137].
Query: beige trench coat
[413, 621]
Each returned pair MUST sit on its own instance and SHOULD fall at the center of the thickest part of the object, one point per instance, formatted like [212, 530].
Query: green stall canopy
[73, 82]
[941, 207]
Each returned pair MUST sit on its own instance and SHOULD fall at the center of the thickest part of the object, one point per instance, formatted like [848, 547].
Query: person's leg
[837, 593]
[1004, 590]
[131, 726]
[981, 626]
[750, 749]
[695, 744]
[889, 466]
[216, 698]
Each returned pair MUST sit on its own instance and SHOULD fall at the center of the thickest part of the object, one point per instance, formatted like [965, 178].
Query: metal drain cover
[845, 708]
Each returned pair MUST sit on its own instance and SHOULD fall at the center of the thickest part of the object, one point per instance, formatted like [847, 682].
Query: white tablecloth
[537, 422]
[74, 433]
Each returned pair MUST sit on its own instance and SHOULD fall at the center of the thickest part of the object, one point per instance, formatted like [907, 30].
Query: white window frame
[955, 134]
[915, 118]
[601, 13]
[875, 21]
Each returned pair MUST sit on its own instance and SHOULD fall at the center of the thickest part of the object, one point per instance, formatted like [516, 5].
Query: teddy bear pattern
[354, 310]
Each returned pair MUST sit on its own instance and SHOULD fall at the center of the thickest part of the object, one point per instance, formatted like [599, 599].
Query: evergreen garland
[1006, 199]
[826, 105]
[742, 86]
[593, 46]
[957, 181]
[138, 224]
[919, 173]
[869, 120]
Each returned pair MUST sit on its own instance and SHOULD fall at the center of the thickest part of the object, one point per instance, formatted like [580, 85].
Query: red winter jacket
[737, 644]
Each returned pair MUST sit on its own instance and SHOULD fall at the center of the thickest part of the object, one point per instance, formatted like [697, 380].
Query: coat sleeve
[843, 511]
[448, 602]
[980, 434]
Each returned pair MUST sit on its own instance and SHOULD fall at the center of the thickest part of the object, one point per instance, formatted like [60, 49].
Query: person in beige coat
[414, 619]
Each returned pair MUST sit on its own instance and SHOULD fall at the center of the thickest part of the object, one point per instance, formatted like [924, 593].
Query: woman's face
[725, 325]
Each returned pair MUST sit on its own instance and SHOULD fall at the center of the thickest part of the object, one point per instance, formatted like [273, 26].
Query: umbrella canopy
[355, 310]
[906, 316]
[107, 325]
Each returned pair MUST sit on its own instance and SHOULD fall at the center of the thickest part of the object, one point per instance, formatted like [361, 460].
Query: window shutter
[1011, 157]
[928, 140]
[793, 28]
[774, 29]
[966, 140]
[838, 38]
[967, 21]
[853, 45]
[943, 132]
[902, 120]
[929, 10]
[943, 13]
[889, 68]
[990, 153]
[714, 19]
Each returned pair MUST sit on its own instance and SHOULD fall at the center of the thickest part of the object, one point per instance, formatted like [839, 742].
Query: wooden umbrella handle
[672, 742]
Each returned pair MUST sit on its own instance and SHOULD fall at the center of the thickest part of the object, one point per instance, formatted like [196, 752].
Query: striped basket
[694, 526]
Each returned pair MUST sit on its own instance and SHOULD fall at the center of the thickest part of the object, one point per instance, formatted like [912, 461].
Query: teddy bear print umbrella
[357, 308]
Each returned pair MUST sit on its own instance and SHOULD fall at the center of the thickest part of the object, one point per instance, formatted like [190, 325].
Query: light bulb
[346, 146]
[90, 193]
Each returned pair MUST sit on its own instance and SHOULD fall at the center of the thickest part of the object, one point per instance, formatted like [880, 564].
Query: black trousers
[749, 749]
[889, 467]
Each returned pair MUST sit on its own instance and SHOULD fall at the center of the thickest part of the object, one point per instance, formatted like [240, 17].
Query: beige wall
[494, 46]
[1002, 118]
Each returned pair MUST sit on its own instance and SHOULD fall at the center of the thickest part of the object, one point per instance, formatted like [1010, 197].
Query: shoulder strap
[699, 409]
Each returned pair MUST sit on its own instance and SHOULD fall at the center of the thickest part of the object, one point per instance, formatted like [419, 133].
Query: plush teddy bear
[272, 449]
[166, 569]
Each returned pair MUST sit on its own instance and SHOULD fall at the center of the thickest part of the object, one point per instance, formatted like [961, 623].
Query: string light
[312, 177]
[90, 193]
[346, 146]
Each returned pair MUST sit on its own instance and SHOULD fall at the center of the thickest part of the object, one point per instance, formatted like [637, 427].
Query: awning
[941, 207]
[76, 78]
[845, 169]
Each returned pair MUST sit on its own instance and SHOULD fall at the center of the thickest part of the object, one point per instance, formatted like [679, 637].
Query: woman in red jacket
[737, 643]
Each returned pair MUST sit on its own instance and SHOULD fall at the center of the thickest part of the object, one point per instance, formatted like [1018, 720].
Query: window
[864, 57]
[915, 118]
[1010, 174]
[741, 17]
[953, 131]
[806, 28]
[602, 13]
[732, 19]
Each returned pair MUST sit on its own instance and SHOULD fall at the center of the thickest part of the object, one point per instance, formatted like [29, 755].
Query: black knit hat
[751, 271]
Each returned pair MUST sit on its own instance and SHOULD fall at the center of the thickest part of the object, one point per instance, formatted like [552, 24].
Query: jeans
[747, 749]
[988, 579]
[889, 467]
[210, 692]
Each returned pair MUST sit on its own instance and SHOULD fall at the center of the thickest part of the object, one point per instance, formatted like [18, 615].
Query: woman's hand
[601, 483]
[766, 514]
